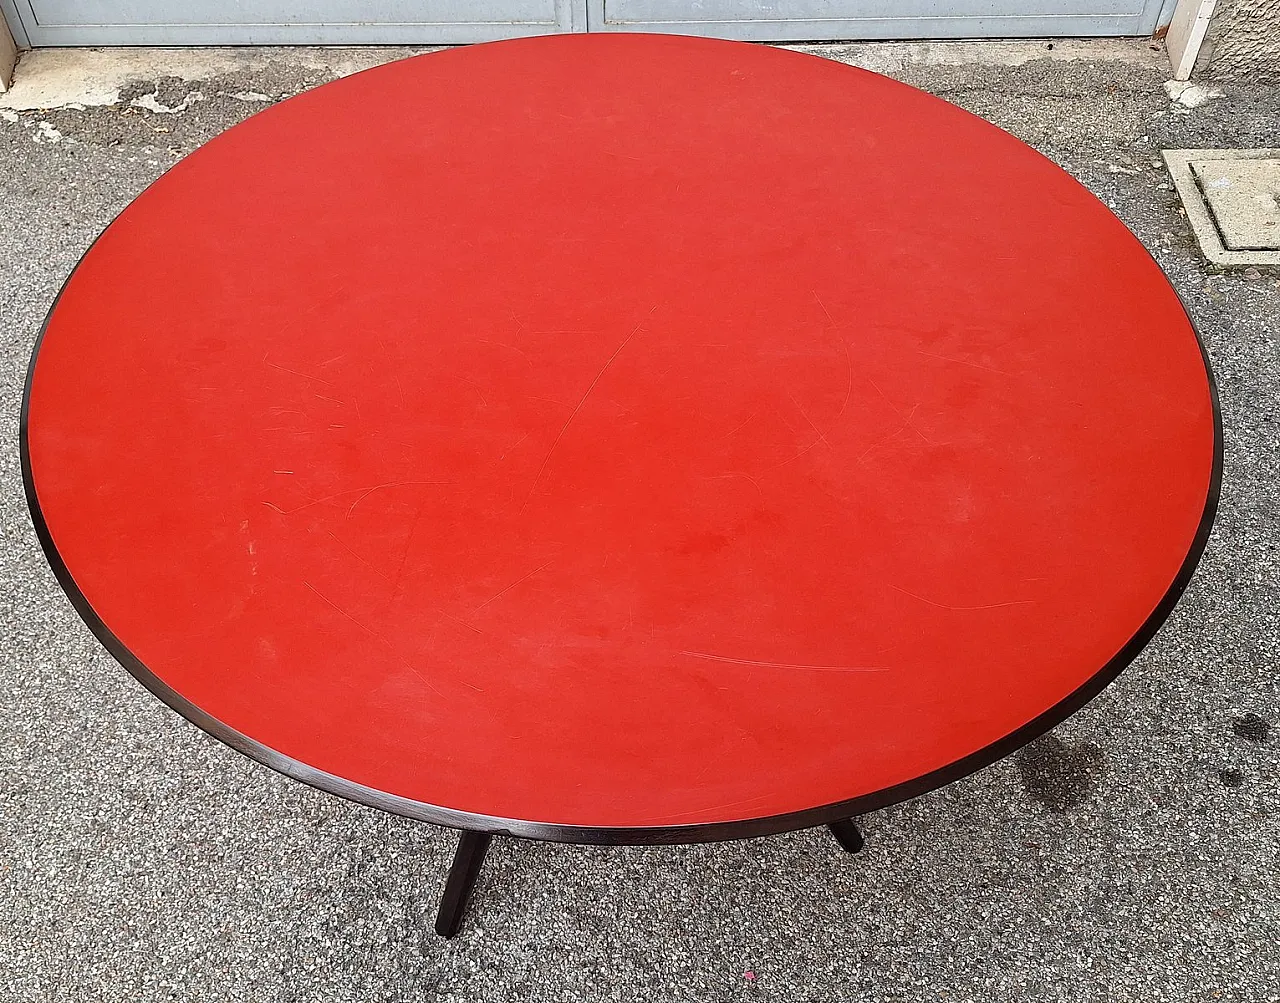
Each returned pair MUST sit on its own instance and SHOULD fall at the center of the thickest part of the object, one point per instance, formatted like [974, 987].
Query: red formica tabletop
[621, 437]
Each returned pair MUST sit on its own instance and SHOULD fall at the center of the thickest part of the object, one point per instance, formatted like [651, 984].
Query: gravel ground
[1132, 854]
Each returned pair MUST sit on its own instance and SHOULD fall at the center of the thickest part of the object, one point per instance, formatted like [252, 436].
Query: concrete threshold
[81, 77]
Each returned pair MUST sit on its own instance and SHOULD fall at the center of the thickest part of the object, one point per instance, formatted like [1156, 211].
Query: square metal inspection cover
[1232, 199]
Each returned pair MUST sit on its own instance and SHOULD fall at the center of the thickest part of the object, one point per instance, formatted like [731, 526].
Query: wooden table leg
[472, 847]
[847, 834]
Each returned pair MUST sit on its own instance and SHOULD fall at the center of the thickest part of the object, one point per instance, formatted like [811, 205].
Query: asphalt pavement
[1129, 855]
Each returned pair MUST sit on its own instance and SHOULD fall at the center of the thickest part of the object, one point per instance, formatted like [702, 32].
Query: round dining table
[620, 438]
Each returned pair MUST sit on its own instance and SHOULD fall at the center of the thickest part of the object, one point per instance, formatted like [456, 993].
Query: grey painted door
[250, 22]
[801, 20]
[287, 22]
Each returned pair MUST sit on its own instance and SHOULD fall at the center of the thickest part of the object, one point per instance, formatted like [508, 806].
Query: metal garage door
[777, 20]
[288, 22]
[251, 22]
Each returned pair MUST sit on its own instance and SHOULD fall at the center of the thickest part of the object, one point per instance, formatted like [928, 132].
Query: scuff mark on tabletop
[785, 665]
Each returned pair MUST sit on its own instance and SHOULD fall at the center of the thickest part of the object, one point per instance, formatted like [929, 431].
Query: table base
[472, 847]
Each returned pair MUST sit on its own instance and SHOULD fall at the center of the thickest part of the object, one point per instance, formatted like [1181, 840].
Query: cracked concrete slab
[1134, 854]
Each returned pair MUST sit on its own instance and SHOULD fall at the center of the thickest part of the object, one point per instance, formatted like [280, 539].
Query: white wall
[1243, 42]
[8, 54]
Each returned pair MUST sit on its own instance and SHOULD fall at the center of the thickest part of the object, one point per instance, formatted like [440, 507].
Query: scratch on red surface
[502, 344]
[738, 427]
[341, 494]
[514, 445]
[470, 626]
[509, 588]
[940, 605]
[907, 422]
[484, 401]
[848, 395]
[805, 415]
[371, 567]
[381, 487]
[374, 634]
[786, 665]
[824, 308]
[754, 483]
[698, 811]
[848, 392]
[305, 376]
[963, 362]
[392, 367]
[794, 457]
[569, 421]
[408, 545]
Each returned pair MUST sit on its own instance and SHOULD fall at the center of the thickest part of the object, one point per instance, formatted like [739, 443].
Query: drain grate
[1232, 199]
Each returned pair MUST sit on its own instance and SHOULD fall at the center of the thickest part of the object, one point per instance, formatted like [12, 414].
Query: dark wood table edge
[476, 831]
